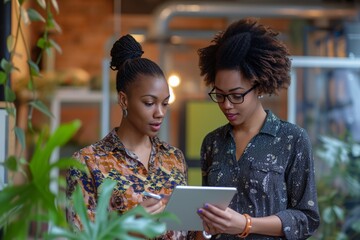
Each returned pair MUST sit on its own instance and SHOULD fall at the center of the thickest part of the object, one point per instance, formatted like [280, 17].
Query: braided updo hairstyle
[126, 59]
[252, 49]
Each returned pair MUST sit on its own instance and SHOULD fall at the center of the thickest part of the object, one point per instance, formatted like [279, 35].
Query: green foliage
[338, 186]
[109, 225]
[24, 16]
[33, 200]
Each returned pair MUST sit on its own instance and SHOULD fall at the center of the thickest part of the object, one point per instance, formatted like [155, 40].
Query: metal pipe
[164, 13]
[313, 62]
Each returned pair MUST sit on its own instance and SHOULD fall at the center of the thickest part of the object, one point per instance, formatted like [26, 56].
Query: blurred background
[323, 37]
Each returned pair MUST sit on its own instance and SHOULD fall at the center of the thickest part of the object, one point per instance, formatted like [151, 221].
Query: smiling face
[146, 102]
[232, 82]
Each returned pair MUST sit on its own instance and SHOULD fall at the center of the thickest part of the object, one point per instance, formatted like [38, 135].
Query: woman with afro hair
[268, 160]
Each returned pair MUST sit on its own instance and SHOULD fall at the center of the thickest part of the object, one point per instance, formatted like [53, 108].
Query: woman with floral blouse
[267, 159]
[131, 153]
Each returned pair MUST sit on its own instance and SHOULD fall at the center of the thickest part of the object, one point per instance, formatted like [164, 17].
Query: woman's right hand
[153, 206]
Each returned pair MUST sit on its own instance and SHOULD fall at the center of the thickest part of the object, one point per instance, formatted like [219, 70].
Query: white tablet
[186, 200]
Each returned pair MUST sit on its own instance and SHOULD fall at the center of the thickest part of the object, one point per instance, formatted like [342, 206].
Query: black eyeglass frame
[211, 93]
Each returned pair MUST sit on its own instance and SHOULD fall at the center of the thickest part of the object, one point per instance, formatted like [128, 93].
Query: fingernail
[199, 211]
[206, 205]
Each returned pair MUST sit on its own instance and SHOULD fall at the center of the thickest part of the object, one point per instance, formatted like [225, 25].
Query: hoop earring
[125, 113]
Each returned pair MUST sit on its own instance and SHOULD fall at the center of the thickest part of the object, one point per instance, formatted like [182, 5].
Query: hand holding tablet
[186, 200]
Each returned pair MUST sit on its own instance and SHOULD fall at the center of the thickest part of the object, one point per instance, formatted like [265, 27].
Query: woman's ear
[122, 100]
[259, 94]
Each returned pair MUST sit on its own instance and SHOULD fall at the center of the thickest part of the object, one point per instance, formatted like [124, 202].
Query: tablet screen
[186, 200]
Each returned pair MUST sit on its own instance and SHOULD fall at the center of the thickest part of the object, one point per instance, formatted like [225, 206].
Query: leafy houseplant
[110, 225]
[339, 189]
[33, 203]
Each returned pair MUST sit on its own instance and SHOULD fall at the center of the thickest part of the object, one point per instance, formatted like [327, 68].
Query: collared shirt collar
[271, 125]
[112, 142]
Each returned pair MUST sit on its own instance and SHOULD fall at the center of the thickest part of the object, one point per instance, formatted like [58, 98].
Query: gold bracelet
[247, 228]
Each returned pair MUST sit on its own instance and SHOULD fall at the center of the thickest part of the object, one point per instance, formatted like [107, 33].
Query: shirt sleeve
[301, 218]
[84, 180]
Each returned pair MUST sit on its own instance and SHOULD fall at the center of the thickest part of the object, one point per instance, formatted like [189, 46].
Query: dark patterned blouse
[108, 158]
[274, 175]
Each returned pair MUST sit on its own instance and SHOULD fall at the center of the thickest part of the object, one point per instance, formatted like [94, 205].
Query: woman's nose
[160, 111]
[227, 103]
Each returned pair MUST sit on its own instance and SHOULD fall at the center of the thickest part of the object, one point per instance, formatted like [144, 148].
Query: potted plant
[339, 188]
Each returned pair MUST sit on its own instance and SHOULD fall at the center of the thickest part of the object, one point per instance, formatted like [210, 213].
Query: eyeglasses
[235, 98]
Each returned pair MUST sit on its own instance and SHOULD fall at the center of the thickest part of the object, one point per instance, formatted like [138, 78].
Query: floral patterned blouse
[108, 158]
[274, 175]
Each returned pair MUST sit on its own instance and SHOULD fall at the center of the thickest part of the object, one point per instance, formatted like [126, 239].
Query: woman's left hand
[217, 221]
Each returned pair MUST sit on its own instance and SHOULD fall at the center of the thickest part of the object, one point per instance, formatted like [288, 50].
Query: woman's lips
[155, 126]
[230, 116]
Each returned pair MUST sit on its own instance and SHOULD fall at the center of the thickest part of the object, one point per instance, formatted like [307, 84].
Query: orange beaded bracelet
[247, 228]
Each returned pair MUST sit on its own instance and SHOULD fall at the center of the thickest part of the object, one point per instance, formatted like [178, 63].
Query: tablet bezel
[186, 200]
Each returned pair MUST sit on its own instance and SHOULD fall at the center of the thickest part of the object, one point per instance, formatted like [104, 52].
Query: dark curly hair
[126, 59]
[251, 48]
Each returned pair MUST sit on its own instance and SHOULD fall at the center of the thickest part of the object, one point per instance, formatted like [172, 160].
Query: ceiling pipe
[164, 13]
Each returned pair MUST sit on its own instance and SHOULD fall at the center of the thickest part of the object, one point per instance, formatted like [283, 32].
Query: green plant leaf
[41, 3]
[42, 43]
[30, 84]
[42, 153]
[34, 68]
[15, 198]
[341, 236]
[55, 45]
[64, 163]
[6, 65]
[17, 230]
[61, 135]
[7, 194]
[55, 5]
[11, 163]
[57, 27]
[52, 24]
[35, 15]
[106, 190]
[111, 225]
[24, 15]
[146, 224]
[10, 109]
[9, 94]
[39, 105]
[10, 43]
[2, 77]
[339, 212]
[329, 196]
[20, 135]
[80, 209]
[356, 226]
[58, 232]
[328, 215]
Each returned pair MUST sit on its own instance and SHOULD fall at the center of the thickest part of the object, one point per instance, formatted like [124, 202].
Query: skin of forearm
[270, 226]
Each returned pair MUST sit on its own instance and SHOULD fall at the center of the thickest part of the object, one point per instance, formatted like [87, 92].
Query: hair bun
[124, 49]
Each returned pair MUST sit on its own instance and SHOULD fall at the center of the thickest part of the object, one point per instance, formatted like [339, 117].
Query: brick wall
[87, 37]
